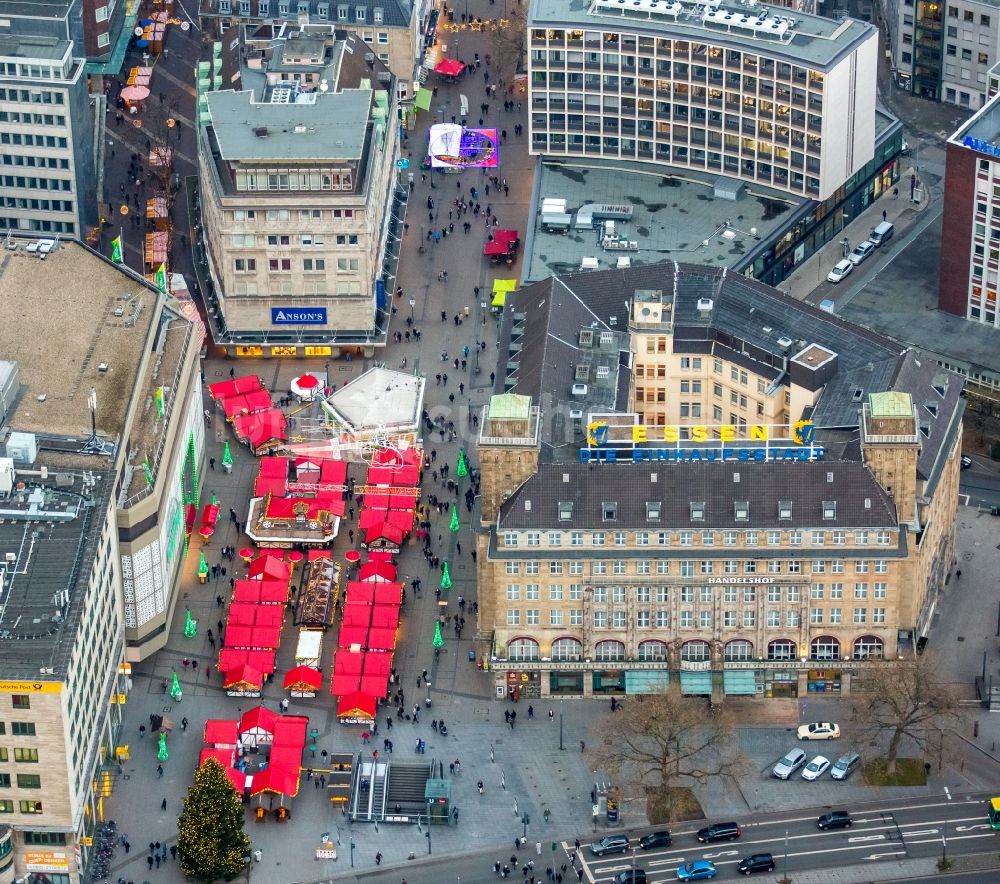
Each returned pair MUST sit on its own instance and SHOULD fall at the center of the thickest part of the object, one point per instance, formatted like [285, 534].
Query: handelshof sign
[610, 440]
[298, 315]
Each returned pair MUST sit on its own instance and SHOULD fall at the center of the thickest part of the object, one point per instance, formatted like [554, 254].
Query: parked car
[793, 760]
[697, 870]
[861, 251]
[844, 766]
[819, 730]
[655, 839]
[719, 832]
[840, 270]
[816, 768]
[609, 844]
[758, 862]
[967, 462]
[835, 819]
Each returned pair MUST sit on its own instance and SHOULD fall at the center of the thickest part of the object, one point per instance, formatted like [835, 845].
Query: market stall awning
[303, 676]
[353, 635]
[237, 385]
[375, 685]
[344, 683]
[269, 567]
[356, 704]
[221, 732]
[244, 675]
[280, 780]
[450, 67]
[258, 720]
[423, 99]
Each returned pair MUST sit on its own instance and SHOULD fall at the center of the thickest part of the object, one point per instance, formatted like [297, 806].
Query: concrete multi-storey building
[48, 137]
[784, 100]
[690, 477]
[297, 189]
[397, 31]
[944, 51]
[970, 235]
[100, 28]
[100, 454]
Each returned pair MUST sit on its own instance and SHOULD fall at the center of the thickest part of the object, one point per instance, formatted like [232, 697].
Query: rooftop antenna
[94, 445]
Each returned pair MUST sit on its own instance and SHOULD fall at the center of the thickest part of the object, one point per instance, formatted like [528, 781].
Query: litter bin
[472, 656]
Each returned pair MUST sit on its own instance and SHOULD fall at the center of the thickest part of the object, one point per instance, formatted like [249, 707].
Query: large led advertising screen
[451, 146]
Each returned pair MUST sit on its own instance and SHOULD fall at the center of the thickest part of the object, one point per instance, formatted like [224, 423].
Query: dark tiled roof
[395, 13]
[806, 485]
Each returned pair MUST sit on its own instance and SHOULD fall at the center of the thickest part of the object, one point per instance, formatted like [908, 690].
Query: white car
[816, 768]
[861, 251]
[840, 270]
[819, 730]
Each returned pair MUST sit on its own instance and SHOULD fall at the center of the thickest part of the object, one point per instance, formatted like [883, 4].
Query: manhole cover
[961, 638]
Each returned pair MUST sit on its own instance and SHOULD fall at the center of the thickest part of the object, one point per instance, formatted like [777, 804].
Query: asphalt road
[981, 484]
[890, 830]
[882, 832]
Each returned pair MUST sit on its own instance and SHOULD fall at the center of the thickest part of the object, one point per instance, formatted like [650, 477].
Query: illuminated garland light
[479, 27]
[211, 840]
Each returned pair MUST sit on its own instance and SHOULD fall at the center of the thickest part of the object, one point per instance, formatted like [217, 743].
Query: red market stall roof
[396, 457]
[272, 616]
[266, 638]
[401, 519]
[450, 67]
[271, 567]
[304, 466]
[303, 676]
[388, 593]
[280, 780]
[348, 662]
[332, 472]
[375, 572]
[322, 504]
[380, 556]
[313, 555]
[225, 757]
[361, 593]
[243, 674]
[290, 733]
[381, 500]
[352, 635]
[239, 637]
[386, 533]
[356, 704]
[259, 720]
[390, 476]
[356, 615]
[375, 685]
[264, 485]
[262, 660]
[247, 403]
[249, 614]
[231, 659]
[242, 614]
[381, 639]
[221, 732]
[377, 663]
[344, 683]
[384, 616]
[274, 466]
[266, 592]
[236, 386]
[262, 428]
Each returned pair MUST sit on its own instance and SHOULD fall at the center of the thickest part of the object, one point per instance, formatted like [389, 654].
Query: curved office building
[764, 94]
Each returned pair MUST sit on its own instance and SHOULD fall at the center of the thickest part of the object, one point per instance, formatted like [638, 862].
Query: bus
[994, 813]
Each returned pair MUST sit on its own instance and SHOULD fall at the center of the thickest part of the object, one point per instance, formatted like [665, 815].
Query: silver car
[793, 760]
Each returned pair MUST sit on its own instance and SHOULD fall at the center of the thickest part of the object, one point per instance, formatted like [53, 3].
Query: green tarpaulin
[423, 99]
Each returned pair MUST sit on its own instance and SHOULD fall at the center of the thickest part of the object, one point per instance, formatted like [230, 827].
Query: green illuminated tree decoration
[227, 455]
[175, 688]
[162, 753]
[203, 567]
[454, 526]
[438, 641]
[190, 624]
[463, 467]
[211, 841]
[445, 576]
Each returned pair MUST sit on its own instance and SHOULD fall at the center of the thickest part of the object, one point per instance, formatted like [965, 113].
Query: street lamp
[429, 845]
[524, 822]
[428, 701]
[413, 303]
[944, 828]
[352, 853]
[561, 725]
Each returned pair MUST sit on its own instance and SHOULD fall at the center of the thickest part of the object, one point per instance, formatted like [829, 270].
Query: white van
[881, 233]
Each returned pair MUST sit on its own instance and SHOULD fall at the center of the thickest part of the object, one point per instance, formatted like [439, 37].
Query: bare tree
[508, 43]
[665, 741]
[905, 699]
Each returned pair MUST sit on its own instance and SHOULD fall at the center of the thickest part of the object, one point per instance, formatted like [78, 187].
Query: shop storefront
[566, 683]
[781, 684]
[647, 681]
[740, 682]
[824, 681]
[524, 685]
[609, 681]
[697, 683]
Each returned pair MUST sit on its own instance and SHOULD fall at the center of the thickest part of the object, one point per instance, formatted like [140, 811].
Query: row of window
[302, 7]
[24, 781]
[23, 755]
[793, 537]
[33, 96]
[619, 595]
[342, 288]
[287, 240]
[689, 619]
[18, 728]
[20, 202]
[282, 216]
[824, 647]
[39, 225]
[28, 806]
[284, 265]
[34, 183]
[30, 119]
[34, 162]
[32, 140]
[296, 179]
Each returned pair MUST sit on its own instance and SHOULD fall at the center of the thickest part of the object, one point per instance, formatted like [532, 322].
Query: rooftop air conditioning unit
[579, 391]
[705, 305]
[785, 342]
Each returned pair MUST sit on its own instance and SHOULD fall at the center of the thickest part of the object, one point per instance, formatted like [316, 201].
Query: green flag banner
[116, 250]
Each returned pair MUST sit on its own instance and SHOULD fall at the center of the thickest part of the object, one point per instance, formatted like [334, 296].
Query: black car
[719, 832]
[655, 839]
[836, 819]
[636, 876]
[758, 862]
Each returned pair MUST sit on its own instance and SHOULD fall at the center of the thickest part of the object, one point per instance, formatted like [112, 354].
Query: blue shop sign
[298, 316]
[982, 146]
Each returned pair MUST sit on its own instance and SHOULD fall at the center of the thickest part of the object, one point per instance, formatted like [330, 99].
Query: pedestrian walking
[159, 771]
[552, 715]
[163, 804]
[184, 723]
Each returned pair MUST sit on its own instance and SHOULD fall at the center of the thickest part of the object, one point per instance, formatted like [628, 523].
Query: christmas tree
[211, 842]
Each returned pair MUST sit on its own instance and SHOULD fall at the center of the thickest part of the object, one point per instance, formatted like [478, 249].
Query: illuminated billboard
[451, 146]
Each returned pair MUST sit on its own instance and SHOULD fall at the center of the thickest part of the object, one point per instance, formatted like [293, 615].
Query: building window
[22, 728]
[555, 617]
[860, 615]
[513, 617]
[652, 651]
[26, 755]
[609, 651]
[824, 647]
[29, 781]
[781, 649]
[738, 650]
[6, 806]
[567, 649]
[20, 701]
[30, 806]
[696, 652]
